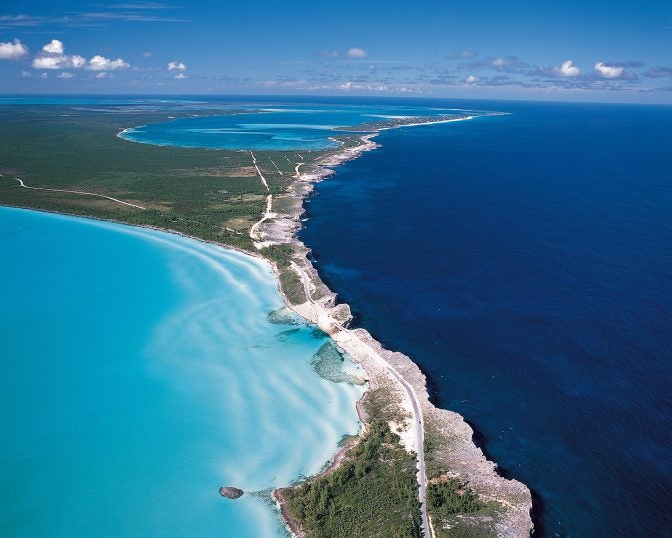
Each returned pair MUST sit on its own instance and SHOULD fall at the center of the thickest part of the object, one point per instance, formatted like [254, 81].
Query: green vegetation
[382, 403]
[449, 501]
[214, 195]
[291, 286]
[372, 493]
[290, 281]
[451, 497]
[208, 194]
[433, 467]
[280, 254]
[455, 509]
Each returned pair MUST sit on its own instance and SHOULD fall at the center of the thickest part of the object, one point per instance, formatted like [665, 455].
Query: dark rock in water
[230, 493]
[283, 316]
[328, 363]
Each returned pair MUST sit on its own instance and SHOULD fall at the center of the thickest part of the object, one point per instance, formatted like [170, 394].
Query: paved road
[418, 422]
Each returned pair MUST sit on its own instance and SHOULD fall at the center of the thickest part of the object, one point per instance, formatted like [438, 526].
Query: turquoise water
[139, 372]
[244, 124]
[280, 127]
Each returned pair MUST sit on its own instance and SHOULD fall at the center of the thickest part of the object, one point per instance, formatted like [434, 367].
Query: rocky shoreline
[453, 451]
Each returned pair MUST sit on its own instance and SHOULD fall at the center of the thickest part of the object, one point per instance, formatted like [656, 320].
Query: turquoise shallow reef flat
[280, 127]
[139, 372]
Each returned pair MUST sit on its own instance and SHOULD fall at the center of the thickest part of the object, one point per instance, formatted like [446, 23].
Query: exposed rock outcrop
[230, 492]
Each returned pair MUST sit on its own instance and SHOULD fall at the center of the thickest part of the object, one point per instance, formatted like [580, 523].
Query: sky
[588, 50]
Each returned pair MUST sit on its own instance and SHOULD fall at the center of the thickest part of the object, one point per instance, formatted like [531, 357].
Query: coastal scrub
[373, 492]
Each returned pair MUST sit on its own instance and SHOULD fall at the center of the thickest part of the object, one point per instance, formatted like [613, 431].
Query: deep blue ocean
[525, 263]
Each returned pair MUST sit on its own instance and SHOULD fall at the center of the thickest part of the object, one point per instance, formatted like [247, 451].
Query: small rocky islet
[230, 492]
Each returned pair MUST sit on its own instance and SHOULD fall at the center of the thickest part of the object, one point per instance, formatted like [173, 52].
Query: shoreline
[335, 459]
[382, 366]
[465, 459]
[323, 414]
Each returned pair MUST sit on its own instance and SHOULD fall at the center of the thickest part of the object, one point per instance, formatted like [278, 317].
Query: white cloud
[102, 74]
[147, 54]
[176, 66]
[567, 69]
[471, 79]
[50, 62]
[66, 75]
[498, 62]
[26, 74]
[100, 63]
[12, 50]
[54, 47]
[52, 56]
[59, 61]
[180, 75]
[608, 71]
[356, 52]
[348, 86]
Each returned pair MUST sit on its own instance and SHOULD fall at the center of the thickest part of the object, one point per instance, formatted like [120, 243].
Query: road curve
[418, 422]
[22, 184]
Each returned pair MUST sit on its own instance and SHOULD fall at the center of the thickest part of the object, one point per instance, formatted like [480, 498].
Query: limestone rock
[230, 492]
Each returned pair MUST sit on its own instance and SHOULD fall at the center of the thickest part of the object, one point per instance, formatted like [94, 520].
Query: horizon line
[318, 95]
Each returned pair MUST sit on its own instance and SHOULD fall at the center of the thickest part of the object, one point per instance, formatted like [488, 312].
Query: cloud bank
[54, 47]
[608, 71]
[356, 52]
[53, 56]
[12, 50]
[100, 63]
[176, 66]
[568, 69]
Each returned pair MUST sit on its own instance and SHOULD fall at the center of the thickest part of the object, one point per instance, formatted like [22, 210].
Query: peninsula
[414, 469]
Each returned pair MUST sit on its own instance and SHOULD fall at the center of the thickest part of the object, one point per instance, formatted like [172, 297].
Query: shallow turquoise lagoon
[139, 372]
[288, 128]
